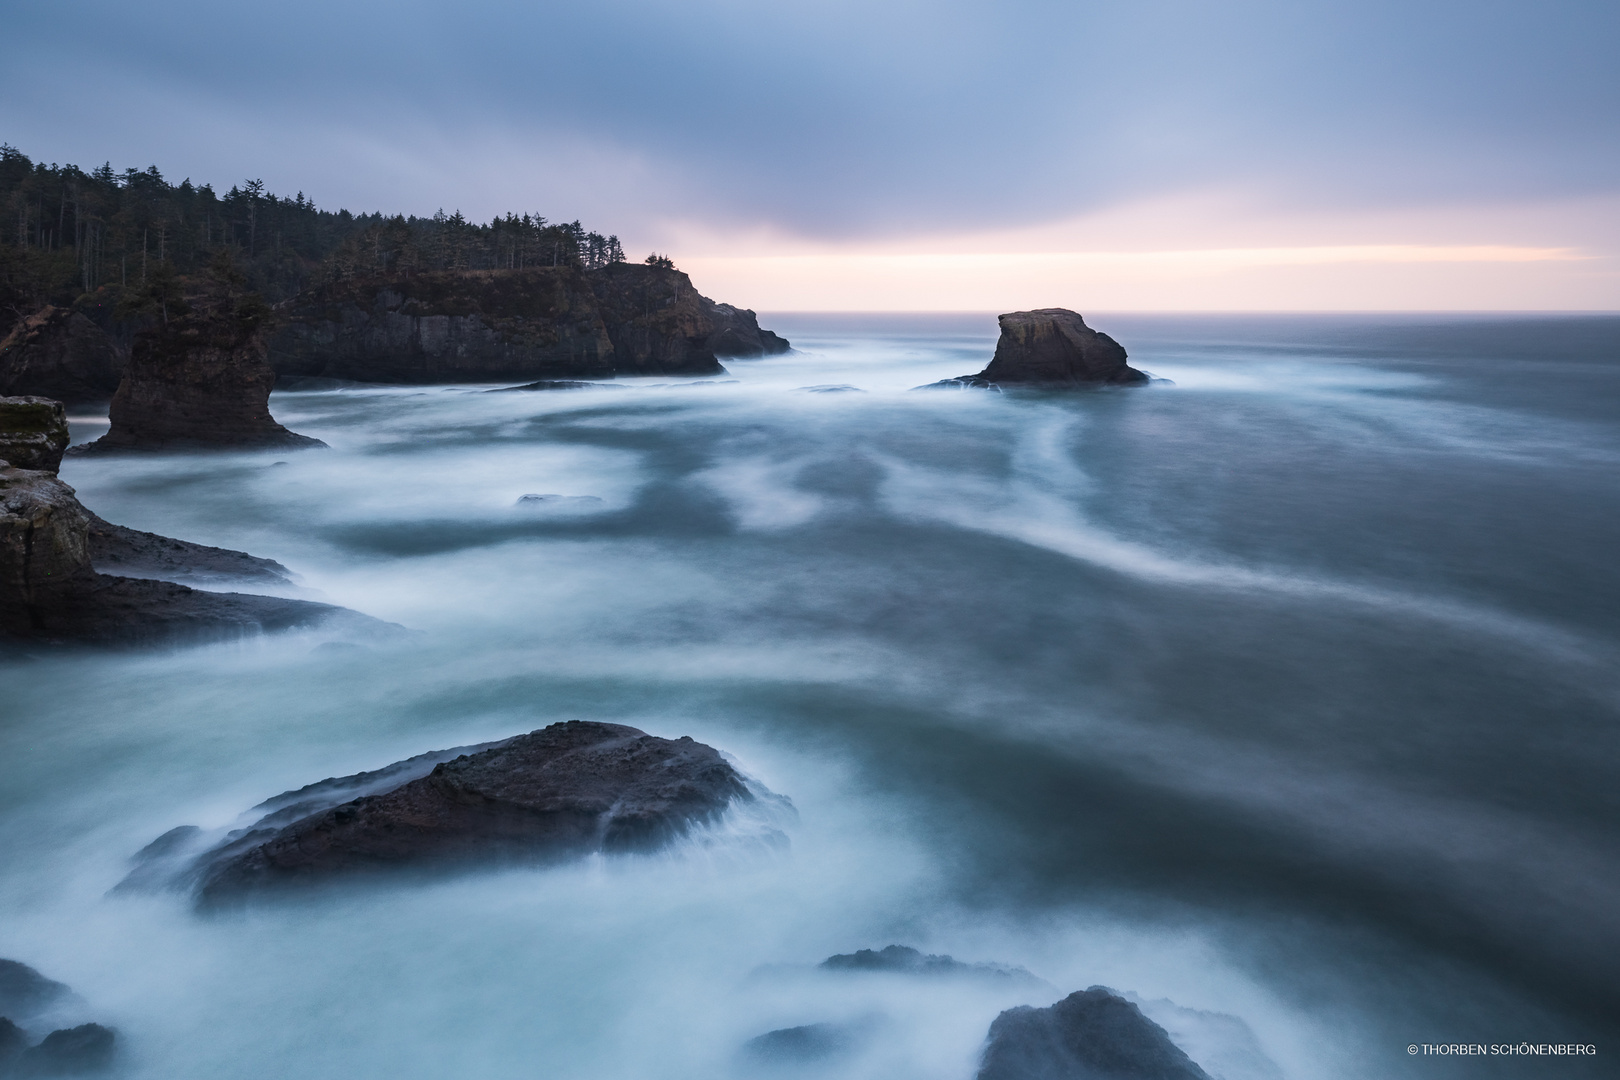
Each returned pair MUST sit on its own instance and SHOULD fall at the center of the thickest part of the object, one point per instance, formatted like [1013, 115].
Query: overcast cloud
[833, 118]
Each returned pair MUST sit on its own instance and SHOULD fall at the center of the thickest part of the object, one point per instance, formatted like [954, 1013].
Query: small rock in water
[555, 384]
[25, 993]
[906, 960]
[70, 1052]
[575, 501]
[832, 388]
[1091, 1033]
[809, 1043]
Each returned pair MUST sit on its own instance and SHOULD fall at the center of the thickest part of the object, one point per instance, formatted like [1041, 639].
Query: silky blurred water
[1286, 690]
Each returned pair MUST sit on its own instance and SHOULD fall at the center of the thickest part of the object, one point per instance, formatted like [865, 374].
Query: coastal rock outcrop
[563, 791]
[542, 324]
[27, 995]
[1090, 1035]
[33, 432]
[50, 592]
[61, 354]
[904, 960]
[117, 549]
[1051, 348]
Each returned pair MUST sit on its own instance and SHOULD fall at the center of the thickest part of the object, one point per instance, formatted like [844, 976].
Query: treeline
[67, 232]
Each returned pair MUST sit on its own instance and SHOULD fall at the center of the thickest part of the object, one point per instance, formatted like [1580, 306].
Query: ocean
[1281, 695]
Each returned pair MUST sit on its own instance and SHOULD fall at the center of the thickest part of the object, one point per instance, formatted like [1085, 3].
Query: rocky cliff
[33, 432]
[507, 325]
[61, 354]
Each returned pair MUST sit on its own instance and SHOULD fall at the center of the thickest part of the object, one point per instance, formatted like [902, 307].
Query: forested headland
[69, 233]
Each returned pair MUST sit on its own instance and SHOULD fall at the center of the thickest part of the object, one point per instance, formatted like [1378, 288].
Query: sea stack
[61, 354]
[200, 377]
[1053, 349]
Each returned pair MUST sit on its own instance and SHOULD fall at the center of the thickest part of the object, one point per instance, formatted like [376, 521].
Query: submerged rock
[63, 355]
[808, 1043]
[563, 791]
[908, 961]
[573, 502]
[69, 1052]
[1050, 348]
[25, 993]
[33, 433]
[1090, 1035]
[553, 384]
[832, 388]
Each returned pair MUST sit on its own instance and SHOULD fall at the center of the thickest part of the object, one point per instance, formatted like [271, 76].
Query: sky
[895, 154]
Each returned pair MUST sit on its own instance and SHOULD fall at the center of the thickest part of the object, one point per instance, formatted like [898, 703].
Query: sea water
[1281, 695]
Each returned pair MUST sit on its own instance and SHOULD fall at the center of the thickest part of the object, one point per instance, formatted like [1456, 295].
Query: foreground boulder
[74, 1051]
[566, 790]
[50, 592]
[61, 354]
[1051, 348]
[26, 994]
[550, 325]
[1090, 1035]
[33, 432]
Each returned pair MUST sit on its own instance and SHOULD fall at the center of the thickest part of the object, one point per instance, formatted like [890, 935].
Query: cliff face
[60, 354]
[502, 325]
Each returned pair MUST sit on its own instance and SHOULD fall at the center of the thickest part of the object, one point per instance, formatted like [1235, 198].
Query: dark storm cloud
[835, 117]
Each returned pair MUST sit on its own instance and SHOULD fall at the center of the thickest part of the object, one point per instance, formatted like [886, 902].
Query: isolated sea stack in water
[60, 354]
[1052, 348]
[199, 378]
[564, 791]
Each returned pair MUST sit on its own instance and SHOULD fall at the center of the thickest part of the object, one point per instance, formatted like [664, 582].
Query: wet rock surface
[33, 432]
[1090, 1035]
[74, 1051]
[116, 549]
[25, 993]
[51, 593]
[63, 355]
[563, 791]
[1053, 349]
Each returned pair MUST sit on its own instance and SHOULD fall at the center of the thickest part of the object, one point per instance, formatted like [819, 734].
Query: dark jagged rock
[1051, 348]
[25, 993]
[1090, 1035]
[446, 326]
[33, 432]
[563, 791]
[69, 1052]
[50, 592]
[550, 325]
[906, 960]
[115, 549]
[61, 354]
